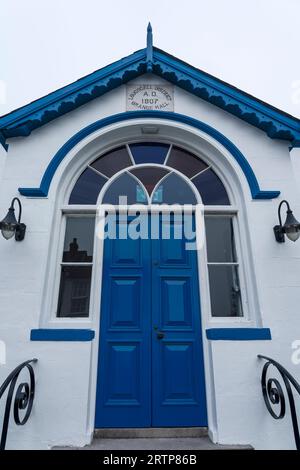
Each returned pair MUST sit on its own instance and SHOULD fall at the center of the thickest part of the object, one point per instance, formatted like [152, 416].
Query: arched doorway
[140, 382]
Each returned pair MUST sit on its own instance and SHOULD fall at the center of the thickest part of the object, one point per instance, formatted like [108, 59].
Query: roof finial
[149, 48]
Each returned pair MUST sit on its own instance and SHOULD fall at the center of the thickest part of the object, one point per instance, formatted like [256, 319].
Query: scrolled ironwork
[22, 399]
[274, 395]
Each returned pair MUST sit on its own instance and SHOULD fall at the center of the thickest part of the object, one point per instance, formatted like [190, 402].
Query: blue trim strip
[238, 334]
[61, 335]
[43, 190]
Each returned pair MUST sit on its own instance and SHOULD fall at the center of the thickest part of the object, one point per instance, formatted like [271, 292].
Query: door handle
[160, 335]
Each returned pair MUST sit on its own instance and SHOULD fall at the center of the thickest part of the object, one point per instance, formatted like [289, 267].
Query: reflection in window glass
[76, 267]
[126, 186]
[185, 162]
[79, 237]
[87, 188]
[173, 190]
[220, 239]
[225, 293]
[211, 188]
[74, 292]
[149, 152]
[112, 162]
[149, 176]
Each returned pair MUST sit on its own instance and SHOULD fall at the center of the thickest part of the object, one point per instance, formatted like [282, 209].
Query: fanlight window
[149, 184]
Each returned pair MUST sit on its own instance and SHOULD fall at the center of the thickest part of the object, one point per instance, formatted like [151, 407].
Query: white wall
[3, 155]
[60, 414]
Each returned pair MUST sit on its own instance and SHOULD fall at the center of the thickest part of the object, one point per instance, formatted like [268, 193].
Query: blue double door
[150, 366]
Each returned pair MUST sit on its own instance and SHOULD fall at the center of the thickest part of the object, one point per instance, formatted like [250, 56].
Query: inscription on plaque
[150, 97]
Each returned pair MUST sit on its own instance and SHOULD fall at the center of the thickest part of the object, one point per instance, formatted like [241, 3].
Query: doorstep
[169, 444]
[131, 433]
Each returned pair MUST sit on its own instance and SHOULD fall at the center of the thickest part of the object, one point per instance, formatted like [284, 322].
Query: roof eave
[276, 123]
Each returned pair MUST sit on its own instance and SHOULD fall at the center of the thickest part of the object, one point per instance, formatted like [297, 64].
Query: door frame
[203, 287]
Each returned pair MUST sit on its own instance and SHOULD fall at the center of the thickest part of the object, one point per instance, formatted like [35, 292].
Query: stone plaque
[150, 97]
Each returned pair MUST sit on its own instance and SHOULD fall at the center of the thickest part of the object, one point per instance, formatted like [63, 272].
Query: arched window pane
[149, 176]
[149, 152]
[211, 188]
[209, 185]
[125, 185]
[173, 190]
[87, 188]
[112, 162]
[185, 162]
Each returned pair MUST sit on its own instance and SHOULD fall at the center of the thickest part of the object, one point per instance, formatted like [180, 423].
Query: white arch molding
[225, 166]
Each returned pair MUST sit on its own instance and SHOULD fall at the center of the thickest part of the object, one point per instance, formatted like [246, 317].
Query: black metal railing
[274, 395]
[23, 398]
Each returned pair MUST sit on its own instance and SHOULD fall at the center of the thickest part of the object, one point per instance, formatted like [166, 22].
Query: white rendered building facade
[140, 332]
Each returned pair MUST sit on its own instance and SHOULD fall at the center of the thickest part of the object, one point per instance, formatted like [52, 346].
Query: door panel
[125, 291]
[176, 311]
[123, 388]
[124, 370]
[172, 252]
[177, 359]
[126, 253]
[150, 289]
[178, 391]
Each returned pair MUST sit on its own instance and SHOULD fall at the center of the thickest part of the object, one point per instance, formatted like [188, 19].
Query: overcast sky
[252, 44]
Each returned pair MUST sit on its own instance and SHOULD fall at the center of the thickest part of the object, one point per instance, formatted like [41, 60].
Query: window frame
[64, 215]
[212, 211]
[233, 214]
[250, 302]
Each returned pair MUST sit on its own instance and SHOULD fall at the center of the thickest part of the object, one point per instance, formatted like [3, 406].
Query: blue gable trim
[43, 189]
[277, 124]
[61, 335]
[24, 120]
[238, 334]
[274, 122]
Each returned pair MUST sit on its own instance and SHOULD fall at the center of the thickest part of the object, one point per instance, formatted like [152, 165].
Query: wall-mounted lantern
[290, 228]
[10, 226]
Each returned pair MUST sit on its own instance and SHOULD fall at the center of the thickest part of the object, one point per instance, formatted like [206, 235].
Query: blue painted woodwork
[277, 124]
[238, 334]
[178, 385]
[61, 334]
[149, 48]
[144, 381]
[3, 141]
[124, 369]
[43, 189]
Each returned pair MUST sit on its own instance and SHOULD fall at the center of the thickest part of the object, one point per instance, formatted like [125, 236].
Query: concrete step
[132, 433]
[169, 444]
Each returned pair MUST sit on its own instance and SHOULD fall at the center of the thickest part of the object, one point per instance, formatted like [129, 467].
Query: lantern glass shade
[9, 224]
[291, 227]
[293, 236]
[7, 232]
